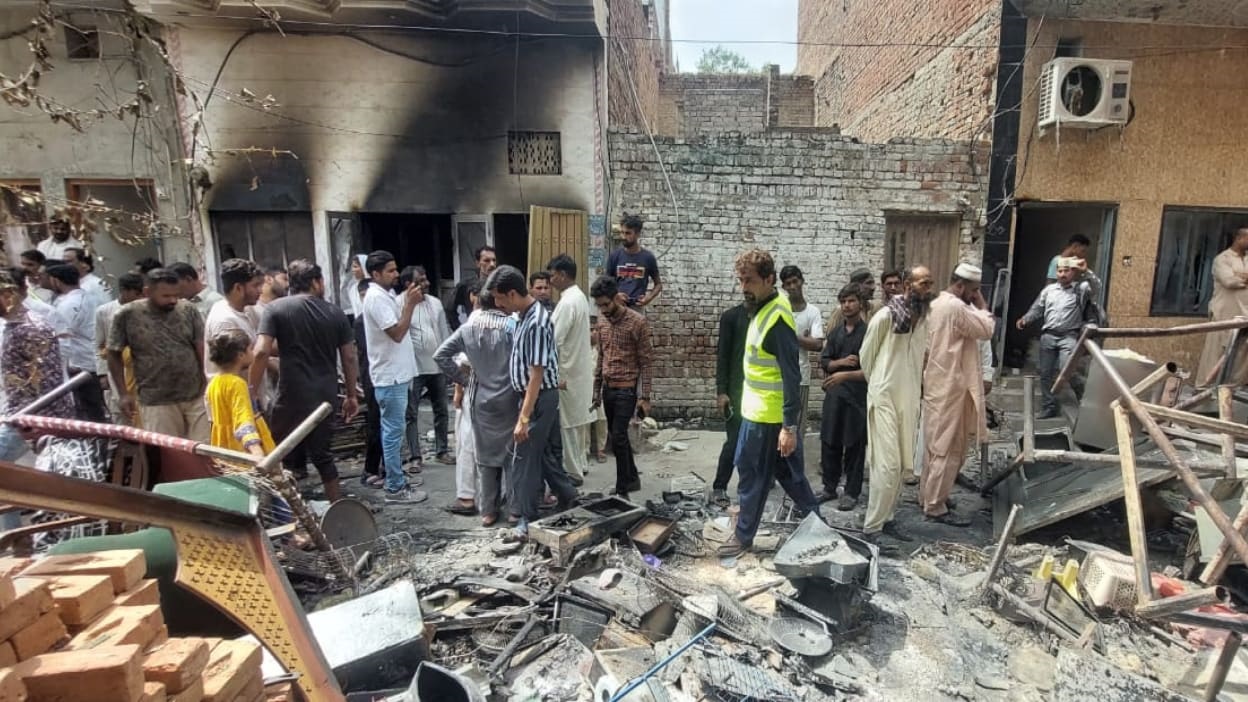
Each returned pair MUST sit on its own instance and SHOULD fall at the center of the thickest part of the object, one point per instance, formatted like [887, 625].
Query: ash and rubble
[534, 622]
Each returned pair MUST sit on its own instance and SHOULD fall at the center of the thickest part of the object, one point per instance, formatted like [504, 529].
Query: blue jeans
[758, 461]
[392, 399]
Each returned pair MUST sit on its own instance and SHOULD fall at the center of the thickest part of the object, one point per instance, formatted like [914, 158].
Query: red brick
[125, 567]
[79, 598]
[39, 637]
[11, 687]
[33, 600]
[231, 666]
[106, 674]
[122, 625]
[178, 663]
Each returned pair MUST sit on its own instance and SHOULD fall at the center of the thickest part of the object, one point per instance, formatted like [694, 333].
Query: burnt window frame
[513, 137]
[219, 241]
[1195, 283]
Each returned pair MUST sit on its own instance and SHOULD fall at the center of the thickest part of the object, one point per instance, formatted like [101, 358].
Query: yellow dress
[235, 424]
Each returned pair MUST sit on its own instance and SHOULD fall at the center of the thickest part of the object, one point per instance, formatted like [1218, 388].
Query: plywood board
[1050, 493]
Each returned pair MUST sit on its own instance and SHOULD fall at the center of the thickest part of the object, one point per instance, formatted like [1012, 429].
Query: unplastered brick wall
[696, 104]
[809, 196]
[636, 53]
[887, 68]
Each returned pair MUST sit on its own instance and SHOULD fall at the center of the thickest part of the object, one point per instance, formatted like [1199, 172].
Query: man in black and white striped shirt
[534, 373]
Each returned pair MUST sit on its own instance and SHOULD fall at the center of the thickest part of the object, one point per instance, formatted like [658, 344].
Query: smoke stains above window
[82, 44]
[534, 153]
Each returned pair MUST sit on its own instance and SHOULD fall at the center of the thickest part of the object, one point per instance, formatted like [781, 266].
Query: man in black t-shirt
[460, 307]
[314, 336]
[633, 267]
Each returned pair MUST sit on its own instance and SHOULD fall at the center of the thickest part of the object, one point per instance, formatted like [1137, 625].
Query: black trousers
[372, 432]
[538, 460]
[315, 448]
[727, 454]
[89, 398]
[620, 404]
[843, 460]
[435, 385]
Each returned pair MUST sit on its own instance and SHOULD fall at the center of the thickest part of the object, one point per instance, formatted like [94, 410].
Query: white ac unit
[1082, 93]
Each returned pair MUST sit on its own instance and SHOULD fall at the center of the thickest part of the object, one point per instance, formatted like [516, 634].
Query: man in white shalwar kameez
[892, 359]
[576, 367]
[953, 392]
[1230, 300]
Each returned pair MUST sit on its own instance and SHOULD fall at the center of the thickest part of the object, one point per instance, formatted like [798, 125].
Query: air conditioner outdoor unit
[1082, 93]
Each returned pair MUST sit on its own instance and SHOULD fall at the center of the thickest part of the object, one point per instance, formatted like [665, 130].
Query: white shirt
[75, 317]
[103, 321]
[55, 250]
[809, 323]
[429, 329]
[41, 309]
[222, 318]
[390, 362]
[96, 289]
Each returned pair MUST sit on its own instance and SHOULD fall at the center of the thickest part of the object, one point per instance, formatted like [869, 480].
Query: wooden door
[555, 231]
[928, 240]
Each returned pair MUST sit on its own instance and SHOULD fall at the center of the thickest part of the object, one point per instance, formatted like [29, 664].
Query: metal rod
[1228, 360]
[1029, 419]
[636, 683]
[1222, 668]
[1190, 480]
[1199, 421]
[1182, 330]
[1112, 459]
[1212, 621]
[1000, 477]
[1160, 374]
[1226, 413]
[1241, 450]
[1032, 613]
[1135, 507]
[1197, 398]
[998, 555]
[53, 395]
[1181, 603]
[1068, 370]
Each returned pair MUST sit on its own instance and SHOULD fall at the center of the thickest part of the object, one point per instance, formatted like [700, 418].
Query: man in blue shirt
[634, 267]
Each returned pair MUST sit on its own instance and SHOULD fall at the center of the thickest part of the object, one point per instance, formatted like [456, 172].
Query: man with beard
[576, 368]
[165, 335]
[634, 267]
[241, 280]
[276, 283]
[770, 403]
[59, 239]
[892, 361]
[865, 281]
[953, 392]
[621, 376]
[539, 286]
[1062, 308]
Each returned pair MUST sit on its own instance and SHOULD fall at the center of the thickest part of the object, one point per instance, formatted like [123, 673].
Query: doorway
[920, 239]
[1041, 231]
[511, 240]
[414, 239]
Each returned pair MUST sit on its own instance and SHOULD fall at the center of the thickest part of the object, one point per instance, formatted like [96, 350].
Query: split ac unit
[1081, 93]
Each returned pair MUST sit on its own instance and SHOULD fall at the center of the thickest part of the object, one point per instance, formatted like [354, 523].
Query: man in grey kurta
[493, 404]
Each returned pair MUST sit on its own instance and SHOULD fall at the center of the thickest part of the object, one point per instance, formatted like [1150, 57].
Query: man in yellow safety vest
[768, 445]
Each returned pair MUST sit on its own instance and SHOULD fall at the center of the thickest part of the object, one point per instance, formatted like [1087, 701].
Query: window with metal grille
[534, 153]
[1190, 239]
[268, 238]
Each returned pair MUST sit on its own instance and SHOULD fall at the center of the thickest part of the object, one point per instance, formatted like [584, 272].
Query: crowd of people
[537, 374]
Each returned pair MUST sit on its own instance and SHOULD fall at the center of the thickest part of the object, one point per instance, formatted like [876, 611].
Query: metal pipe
[1211, 621]
[1166, 606]
[1228, 359]
[1207, 439]
[1182, 330]
[1195, 399]
[1222, 556]
[1199, 421]
[1217, 469]
[1190, 480]
[1029, 419]
[270, 467]
[52, 396]
[1222, 668]
[1158, 375]
[1068, 370]
[998, 555]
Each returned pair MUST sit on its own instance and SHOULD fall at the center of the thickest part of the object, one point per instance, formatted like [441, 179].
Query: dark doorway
[1041, 231]
[511, 240]
[414, 239]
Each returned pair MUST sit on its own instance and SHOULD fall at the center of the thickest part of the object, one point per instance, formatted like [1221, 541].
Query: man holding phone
[621, 376]
[953, 390]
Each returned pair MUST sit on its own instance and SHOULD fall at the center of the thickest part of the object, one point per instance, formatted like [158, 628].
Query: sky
[721, 21]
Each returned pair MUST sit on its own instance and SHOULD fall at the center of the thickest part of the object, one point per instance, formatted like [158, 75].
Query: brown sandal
[489, 520]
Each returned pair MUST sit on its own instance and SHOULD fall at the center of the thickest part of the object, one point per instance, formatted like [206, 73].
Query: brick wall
[936, 81]
[636, 52]
[811, 197]
[696, 104]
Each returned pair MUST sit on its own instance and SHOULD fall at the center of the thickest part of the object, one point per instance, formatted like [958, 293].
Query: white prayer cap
[966, 271]
[1067, 261]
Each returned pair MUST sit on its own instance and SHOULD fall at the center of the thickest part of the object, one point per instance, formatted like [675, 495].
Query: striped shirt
[533, 344]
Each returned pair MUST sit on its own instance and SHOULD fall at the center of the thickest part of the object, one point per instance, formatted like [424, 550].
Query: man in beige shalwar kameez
[891, 358]
[1230, 300]
[953, 391]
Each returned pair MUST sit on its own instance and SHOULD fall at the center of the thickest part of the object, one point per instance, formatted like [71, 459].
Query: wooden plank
[1135, 506]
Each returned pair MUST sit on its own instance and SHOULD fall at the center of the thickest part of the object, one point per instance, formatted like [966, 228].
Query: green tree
[717, 59]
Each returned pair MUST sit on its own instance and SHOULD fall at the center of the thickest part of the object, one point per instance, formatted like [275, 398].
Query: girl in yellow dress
[235, 422]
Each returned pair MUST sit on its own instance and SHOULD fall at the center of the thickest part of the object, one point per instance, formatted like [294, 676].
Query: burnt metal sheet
[583, 526]
[818, 550]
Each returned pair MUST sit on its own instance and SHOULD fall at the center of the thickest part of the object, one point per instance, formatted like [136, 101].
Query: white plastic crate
[1109, 581]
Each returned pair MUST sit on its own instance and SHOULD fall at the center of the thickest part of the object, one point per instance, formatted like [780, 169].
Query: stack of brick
[111, 644]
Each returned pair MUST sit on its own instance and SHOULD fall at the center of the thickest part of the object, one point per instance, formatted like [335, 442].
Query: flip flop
[462, 509]
[374, 481]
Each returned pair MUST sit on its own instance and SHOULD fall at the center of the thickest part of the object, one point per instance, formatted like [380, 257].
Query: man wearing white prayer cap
[953, 392]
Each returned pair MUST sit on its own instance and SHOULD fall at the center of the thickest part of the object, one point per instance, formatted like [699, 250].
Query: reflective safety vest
[762, 398]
